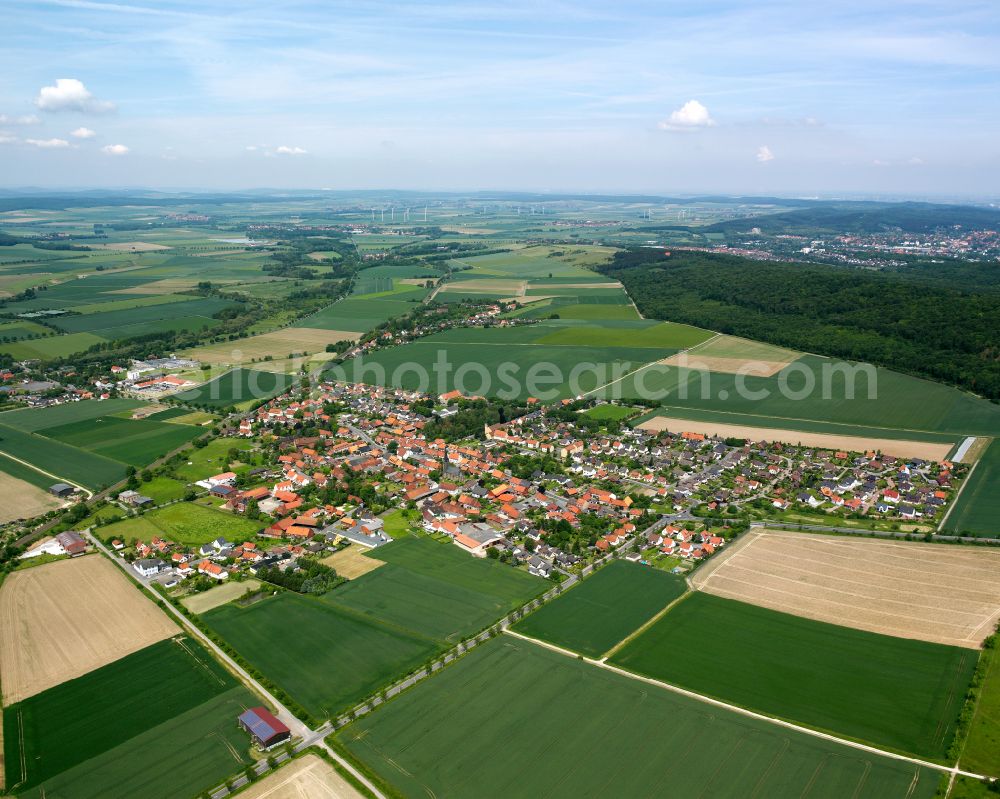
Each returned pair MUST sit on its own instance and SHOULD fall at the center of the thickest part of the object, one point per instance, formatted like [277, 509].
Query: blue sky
[884, 97]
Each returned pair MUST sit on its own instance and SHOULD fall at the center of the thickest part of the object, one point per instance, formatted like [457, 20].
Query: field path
[952, 770]
[87, 491]
[298, 728]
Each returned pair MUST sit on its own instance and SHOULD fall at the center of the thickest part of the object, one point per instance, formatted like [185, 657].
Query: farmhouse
[265, 730]
[72, 543]
[148, 567]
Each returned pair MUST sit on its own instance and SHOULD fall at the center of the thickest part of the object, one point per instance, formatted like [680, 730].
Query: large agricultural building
[265, 730]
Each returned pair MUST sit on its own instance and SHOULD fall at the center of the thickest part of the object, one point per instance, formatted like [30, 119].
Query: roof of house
[262, 724]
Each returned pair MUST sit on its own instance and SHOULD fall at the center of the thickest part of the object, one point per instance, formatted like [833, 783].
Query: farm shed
[265, 730]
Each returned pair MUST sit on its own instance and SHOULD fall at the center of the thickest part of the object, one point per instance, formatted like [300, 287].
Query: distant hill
[840, 218]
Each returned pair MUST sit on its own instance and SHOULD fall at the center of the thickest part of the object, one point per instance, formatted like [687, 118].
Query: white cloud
[83, 133]
[48, 144]
[31, 119]
[114, 149]
[5, 139]
[690, 116]
[285, 150]
[251, 148]
[916, 161]
[764, 154]
[69, 94]
[880, 162]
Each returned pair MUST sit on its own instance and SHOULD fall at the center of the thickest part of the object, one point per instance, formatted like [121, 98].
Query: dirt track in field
[66, 618]
[932, 592]
[218, 596]
[308, 777]
[351, 562]
[928, 450]
[31, 500]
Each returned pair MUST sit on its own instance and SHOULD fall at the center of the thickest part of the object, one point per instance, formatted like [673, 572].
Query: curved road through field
[299, 728]
[601, 664]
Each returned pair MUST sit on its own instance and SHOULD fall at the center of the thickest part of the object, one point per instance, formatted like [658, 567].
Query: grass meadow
[571, 729]
[892, 692]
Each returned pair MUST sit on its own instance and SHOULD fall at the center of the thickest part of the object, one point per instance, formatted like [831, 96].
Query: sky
[881, 98]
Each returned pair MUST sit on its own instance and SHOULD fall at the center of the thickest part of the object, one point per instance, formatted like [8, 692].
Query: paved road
[751, 714]
[298, 728]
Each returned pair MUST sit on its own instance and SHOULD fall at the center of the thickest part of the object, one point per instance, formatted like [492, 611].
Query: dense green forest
[947, 332]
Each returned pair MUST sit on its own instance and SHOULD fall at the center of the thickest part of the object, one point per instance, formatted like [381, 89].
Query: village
[548, 492]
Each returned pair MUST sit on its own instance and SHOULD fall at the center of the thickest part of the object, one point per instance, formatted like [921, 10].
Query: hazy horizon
[894, 99]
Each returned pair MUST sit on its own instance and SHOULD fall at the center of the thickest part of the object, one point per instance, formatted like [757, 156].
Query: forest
[943, 330]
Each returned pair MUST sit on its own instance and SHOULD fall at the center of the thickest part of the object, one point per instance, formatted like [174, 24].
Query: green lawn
[977, 511]
[667, 335]
[892, 692]
[210, 459]
[596, 614]
[163, 489]
[122, 730]
[569, 729]
[609, 412]
[184, 523]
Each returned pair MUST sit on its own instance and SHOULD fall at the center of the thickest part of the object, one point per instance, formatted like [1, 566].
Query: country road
[299, 728]
[601, 664]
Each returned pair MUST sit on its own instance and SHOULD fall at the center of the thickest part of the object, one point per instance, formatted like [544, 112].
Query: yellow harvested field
[131, 246]
[218, 596]
[351, 562]
[66, 618]
[734, 355]
[308, 777]
[928, 450]
[932, 592]
[277, 344]
[487, 284]
[735, 366]
[31, 500]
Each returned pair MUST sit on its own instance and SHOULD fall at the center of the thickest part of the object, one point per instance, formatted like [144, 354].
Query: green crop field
[811, 425]
[977, 511]
[501, 370]
[23, 472]
[122, 730]
[893, 692]
[603, 609]
[447, 563]
[361, 314]
[185, 523]
[325, 657]
[34, 419]
[982, 746]
[134, 441]
[571, 729]
[236, 386]
[53, 347]
[86, 468]
[667, 335]
[375, 628]
[899, 401]
[435, 590]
